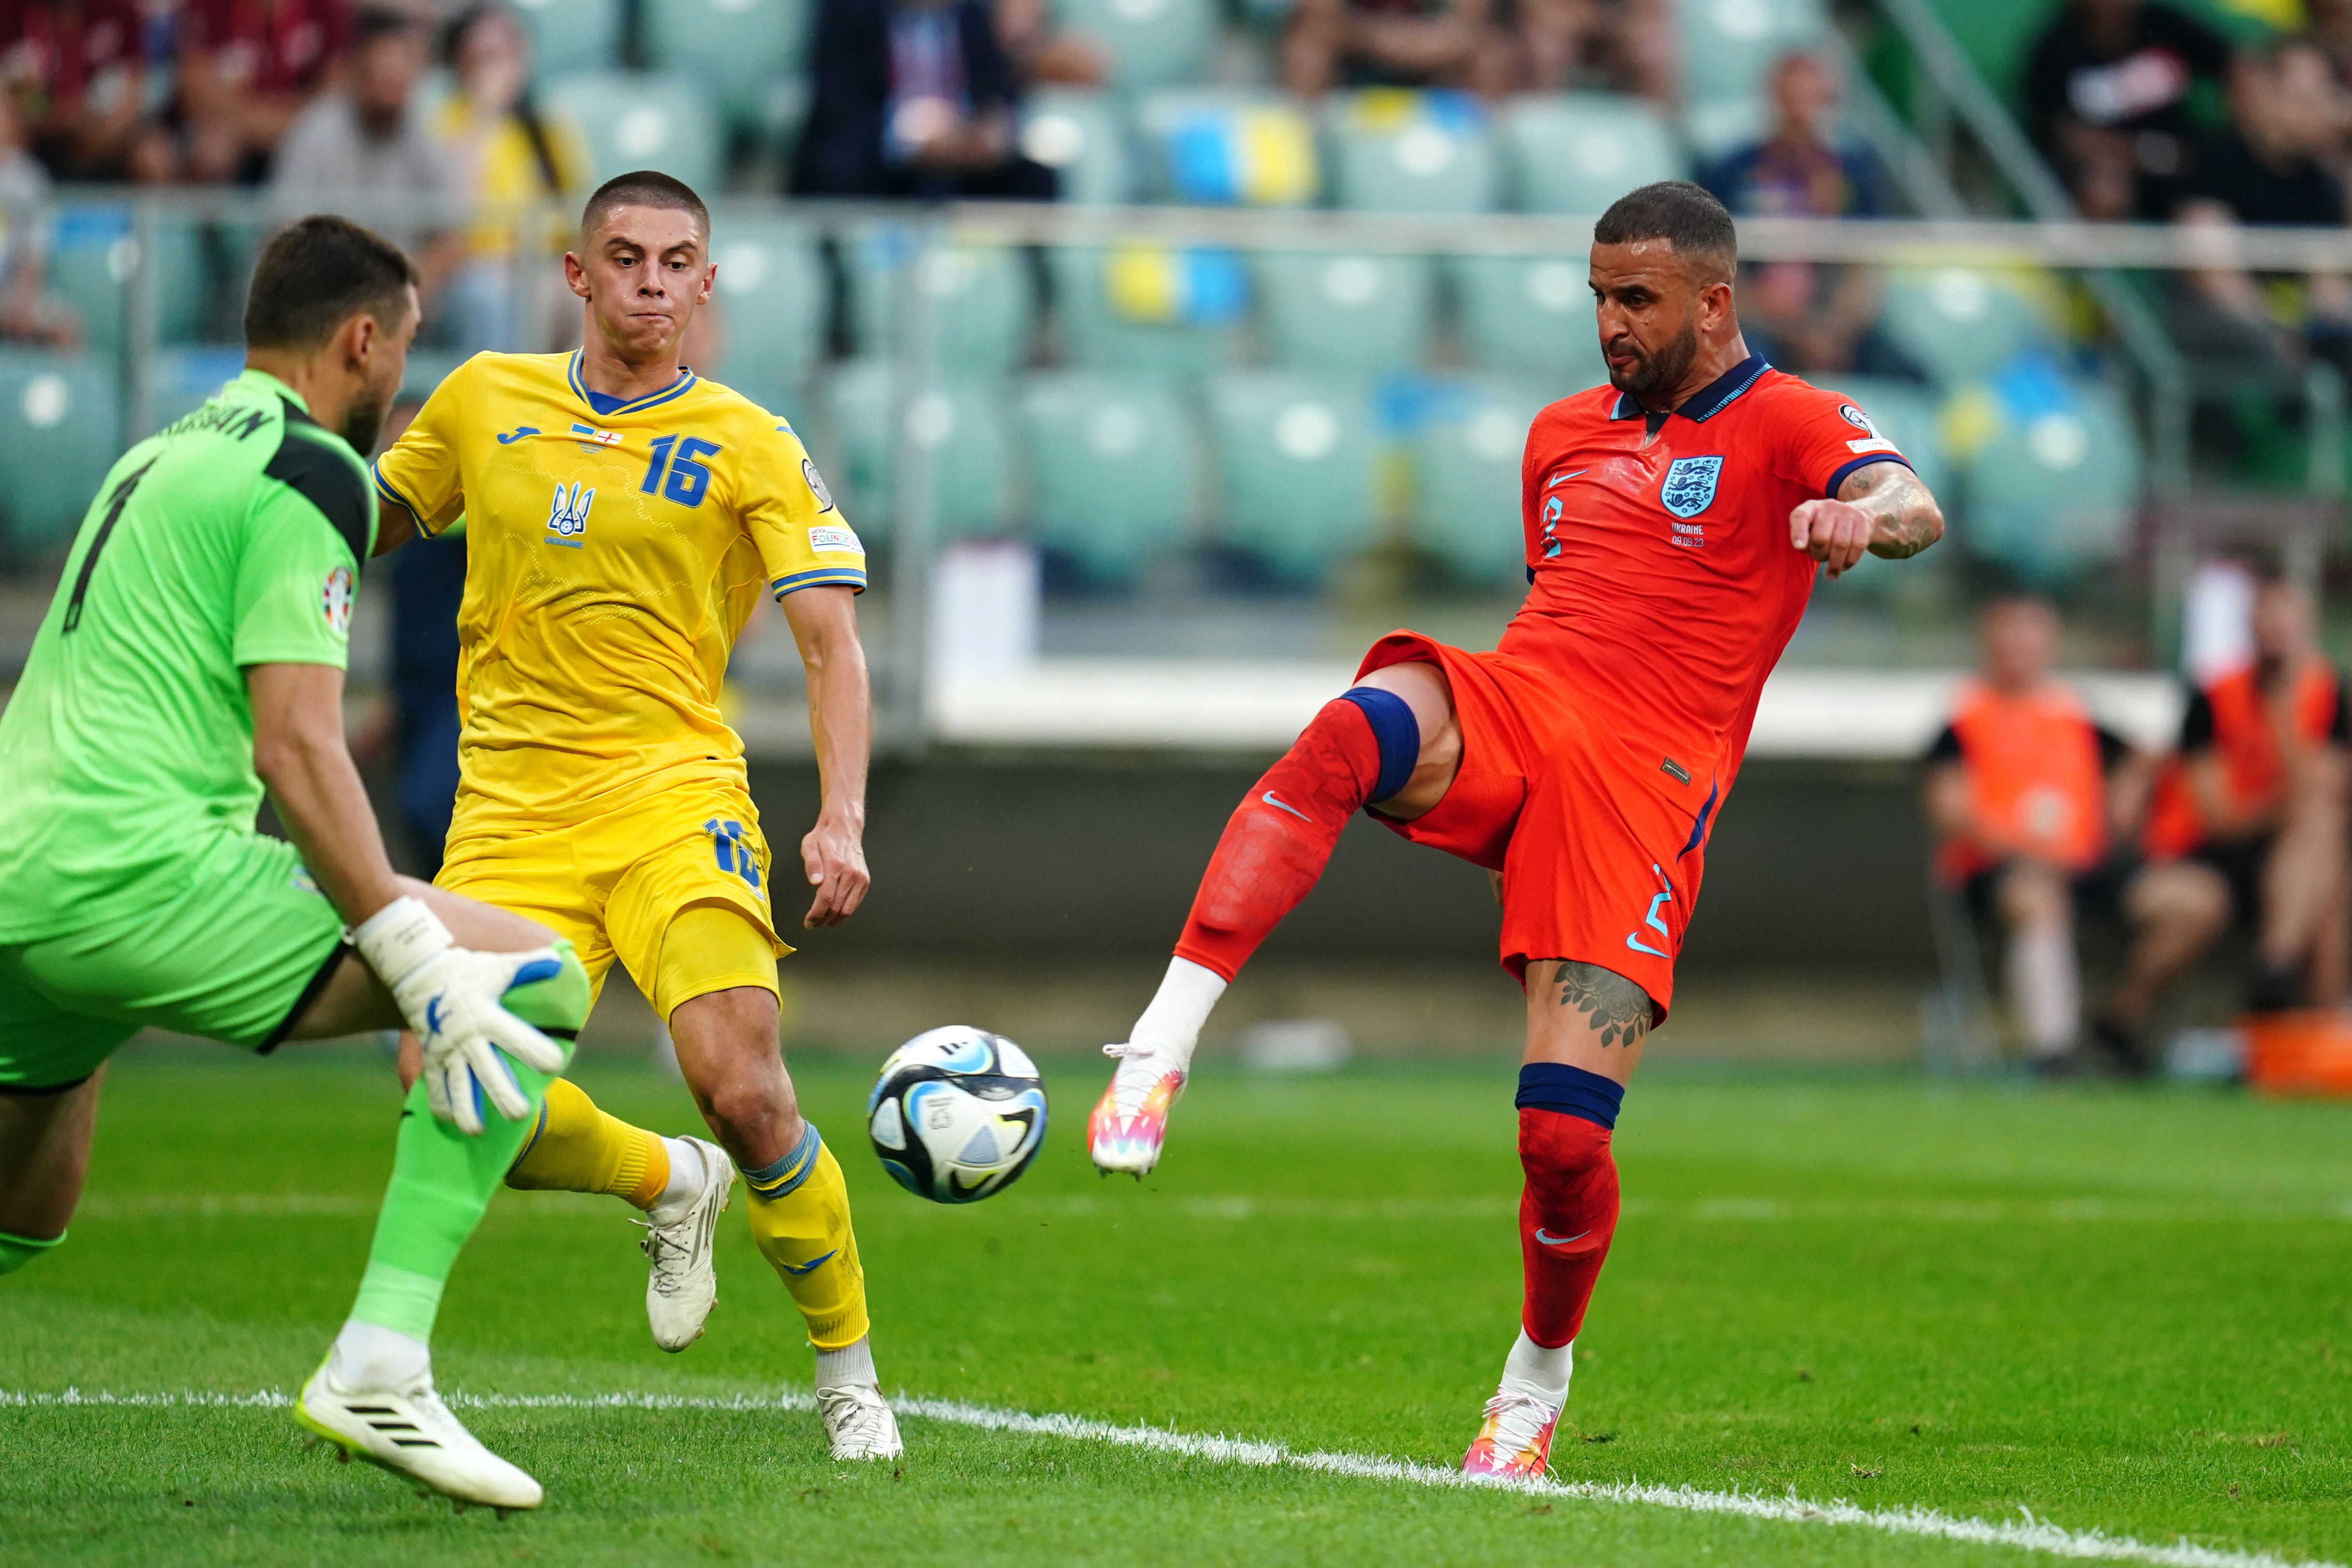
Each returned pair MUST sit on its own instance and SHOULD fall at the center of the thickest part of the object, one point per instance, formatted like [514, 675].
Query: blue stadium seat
[1394, 150]
[1467, 445]
[1364, 313]
[1148, 307]
[1906, 414]
[1297, 463]
[1215, 148]
[1112, 463]
[92, 255]
[1726, 45]
[61, 430]
[1147, 43]
[641, 120]
[2053, 492]
[177, 381]
[1081, 137]
[1575, 152]
[1530, 314]
[1958, 324]
[980, 296]
[741, 47]
[772, 302]
[960, 423]
[569, 35]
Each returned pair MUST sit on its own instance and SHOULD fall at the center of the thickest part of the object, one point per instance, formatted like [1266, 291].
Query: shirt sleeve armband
[1846, 469]
[850, 577]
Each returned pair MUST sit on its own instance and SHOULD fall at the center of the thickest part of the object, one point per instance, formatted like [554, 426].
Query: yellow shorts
[618, 884]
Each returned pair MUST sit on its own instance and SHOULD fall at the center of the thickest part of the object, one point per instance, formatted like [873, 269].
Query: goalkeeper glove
[449, 995]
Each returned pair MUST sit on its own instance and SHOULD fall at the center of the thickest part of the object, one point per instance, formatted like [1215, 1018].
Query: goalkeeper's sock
[368, 1356]
[799, 1221]
[16, 1251]
[578, 1148]
[1568, 1210]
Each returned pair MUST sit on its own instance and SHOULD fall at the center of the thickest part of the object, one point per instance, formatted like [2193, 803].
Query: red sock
[1280, 838]
[1571, 1193]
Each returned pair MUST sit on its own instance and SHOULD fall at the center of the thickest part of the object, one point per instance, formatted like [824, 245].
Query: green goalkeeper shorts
[234, 955]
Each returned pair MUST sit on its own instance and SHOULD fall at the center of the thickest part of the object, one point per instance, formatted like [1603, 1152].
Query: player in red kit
[1673, 523]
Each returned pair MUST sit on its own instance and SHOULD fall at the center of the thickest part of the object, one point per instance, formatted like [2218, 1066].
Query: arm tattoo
[1618, 1009]
[1905, 518]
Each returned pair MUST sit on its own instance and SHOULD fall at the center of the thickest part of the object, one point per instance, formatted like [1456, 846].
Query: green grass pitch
[2120, 1311]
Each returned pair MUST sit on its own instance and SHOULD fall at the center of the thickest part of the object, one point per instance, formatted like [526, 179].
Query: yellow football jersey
[612, 553]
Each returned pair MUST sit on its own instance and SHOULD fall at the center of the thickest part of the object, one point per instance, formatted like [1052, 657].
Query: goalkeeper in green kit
[193, 657]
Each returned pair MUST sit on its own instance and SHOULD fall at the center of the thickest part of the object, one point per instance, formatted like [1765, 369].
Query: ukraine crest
[1689, 489]
[568, 514]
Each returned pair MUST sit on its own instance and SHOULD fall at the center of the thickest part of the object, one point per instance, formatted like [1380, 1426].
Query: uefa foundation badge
[335, 601]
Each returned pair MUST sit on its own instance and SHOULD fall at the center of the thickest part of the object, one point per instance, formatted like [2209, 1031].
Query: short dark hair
[643, 188]
[315, 274]
[374, 22]
[1686, 215]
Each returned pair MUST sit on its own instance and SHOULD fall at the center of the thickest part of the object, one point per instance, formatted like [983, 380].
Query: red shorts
[1601, 846]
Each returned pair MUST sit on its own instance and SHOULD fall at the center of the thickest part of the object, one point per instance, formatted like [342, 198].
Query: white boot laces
[1519, 1419]
[1141, 1068]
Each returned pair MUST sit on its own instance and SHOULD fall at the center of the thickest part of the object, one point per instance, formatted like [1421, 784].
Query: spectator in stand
[505, 153]
[28, 314]
[2271, 165]
[247, 69]
[2106, 96]
[1805, 317]
[78, 72]
[2028, 797]
[1043, 52]
[2249, 820]
[1462, 44]
[2329, 25]
[913, 98]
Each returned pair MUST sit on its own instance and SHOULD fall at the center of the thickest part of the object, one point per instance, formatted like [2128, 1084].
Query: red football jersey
[1664, 586]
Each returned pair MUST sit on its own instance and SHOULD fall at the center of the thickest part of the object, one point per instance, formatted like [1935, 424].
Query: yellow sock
[579, 1149]
[800, 1220]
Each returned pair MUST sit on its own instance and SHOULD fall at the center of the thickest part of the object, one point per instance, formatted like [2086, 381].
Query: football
[957, 1114]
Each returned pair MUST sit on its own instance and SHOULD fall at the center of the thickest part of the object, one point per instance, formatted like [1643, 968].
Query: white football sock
[2045, 988]
[1171, 1025]
[848, 1366]
[1530, 1369]
[685, 1178]
[369, 1356]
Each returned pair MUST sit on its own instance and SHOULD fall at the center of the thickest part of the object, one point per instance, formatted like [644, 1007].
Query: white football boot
[1129, 1123]
[408, 1431]
[859, 1423]
[682, 1285]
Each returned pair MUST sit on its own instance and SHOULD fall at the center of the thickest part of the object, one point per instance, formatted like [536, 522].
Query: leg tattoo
[1619, 1010]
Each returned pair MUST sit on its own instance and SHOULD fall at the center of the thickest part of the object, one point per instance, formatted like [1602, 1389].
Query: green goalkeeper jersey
[231, 538]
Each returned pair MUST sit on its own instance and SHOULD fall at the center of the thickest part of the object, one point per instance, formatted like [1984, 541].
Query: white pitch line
[2031, 1534]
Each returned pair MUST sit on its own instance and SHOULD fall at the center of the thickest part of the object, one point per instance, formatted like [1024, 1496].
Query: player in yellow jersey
[622, 515]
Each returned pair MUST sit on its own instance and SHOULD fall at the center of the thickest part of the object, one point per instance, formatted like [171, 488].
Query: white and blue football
[957, 1114]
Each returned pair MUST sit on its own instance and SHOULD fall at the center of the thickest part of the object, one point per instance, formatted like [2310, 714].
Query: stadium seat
[741, 47]
[1146, 306]
[177, 380]
[2053, 492]
[1365, 313]
[1467, 443]
[638, 120]
[772, 302]
[959, 423]
[1575, 152]
[1080, 136]
[1297, 460]
[1112, 461]
[1394, 150]
[92, 255]
[568, 36]
[61, 430]
[1906, 414]
[1229, 149]
[980, 299]
[1530, 314]
[1958, 324]
[427, 369]
[1147, 43]
[1726, 45]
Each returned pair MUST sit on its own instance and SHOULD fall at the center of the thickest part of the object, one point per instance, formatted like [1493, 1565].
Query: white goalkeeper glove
[449, 995]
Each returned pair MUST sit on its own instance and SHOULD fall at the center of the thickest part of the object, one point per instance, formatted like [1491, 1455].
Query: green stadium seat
[980, 299]
[740, 48]
[1958, 324]
[1210, 147]
[1395, 150]
[1530, 314]
[1466, 446]
[960, 423]
[1112, 461]
[1726, 45]
[61, 430]
[773, 304]
[1147, 43]
[176, 380]
[1296, 457]
[2053, 493]
[1081, 137]
[641, 120]
[1148, 307]
[1364, 313]
[1575, 152]
[568, 36]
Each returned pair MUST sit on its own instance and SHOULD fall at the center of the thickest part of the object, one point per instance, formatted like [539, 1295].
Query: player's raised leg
[1390, 740]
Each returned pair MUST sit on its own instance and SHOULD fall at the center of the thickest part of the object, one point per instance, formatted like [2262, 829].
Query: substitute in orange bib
[2029, 798]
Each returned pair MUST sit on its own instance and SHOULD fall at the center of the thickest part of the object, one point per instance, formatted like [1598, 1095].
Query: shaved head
[643, 188]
